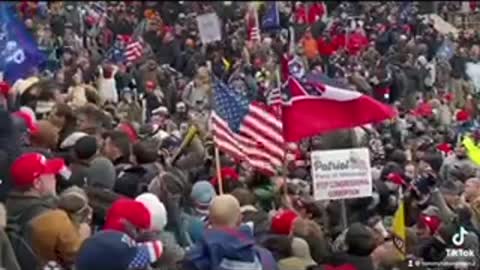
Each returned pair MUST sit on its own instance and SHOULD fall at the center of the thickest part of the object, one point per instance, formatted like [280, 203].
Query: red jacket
[338, 41]
[356, 42]
[325, 48]
[300, 15]
[315, 12]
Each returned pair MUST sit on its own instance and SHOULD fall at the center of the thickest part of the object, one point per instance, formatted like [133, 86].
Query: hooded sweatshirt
[228, 249]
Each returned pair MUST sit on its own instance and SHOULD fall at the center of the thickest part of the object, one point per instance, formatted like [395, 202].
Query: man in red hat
[34, 182]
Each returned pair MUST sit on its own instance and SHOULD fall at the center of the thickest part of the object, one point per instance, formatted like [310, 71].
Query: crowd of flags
[247, 130]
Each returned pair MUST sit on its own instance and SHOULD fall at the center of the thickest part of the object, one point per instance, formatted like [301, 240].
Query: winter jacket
[9, 151]
[7, 255]
[228, 249]
[79, 171]
[132, 111]
[22, 209]
[451, 165]
[134, 181]
[458, 65]
[55, 237]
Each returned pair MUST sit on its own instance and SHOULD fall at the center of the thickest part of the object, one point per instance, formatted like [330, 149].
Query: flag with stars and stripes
[246, 130]
[274, 96]
[132, 48]
[133, 51]
[125, 50]
[148, 253]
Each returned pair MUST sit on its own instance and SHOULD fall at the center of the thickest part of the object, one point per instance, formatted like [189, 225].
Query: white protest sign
[209, 28]
[341, 174]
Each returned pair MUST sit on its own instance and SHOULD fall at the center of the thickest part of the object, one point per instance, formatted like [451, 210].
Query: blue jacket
[228, 249]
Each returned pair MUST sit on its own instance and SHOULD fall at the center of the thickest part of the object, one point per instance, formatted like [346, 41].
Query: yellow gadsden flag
[473, 151]
[399, 230]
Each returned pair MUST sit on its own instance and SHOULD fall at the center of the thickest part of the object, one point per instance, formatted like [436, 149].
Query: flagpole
[219, 173]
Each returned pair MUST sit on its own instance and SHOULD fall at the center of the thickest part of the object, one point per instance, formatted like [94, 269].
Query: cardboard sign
[341, 174]
[209, 28]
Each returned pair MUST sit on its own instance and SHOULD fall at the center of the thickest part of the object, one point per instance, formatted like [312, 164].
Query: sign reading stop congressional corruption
[341, 174]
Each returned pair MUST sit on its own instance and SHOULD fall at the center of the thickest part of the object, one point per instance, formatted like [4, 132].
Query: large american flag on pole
[246, 130]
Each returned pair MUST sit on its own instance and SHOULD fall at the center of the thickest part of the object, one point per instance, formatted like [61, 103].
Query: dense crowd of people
[109, 164]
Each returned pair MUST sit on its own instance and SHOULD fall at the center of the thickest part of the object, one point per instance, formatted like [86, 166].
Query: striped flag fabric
[133, 51]
[131, 48]
[274, 96]
[253, 28]
[148, 252]
[246, 130]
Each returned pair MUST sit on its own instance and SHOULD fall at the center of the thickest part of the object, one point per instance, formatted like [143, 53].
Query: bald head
[224, 211]
[472, 189]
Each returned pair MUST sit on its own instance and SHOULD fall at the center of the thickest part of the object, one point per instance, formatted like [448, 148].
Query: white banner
[209, 28]
[341, 174]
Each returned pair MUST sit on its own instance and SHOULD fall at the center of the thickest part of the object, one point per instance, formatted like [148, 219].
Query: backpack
[18, 234]
[172, 187]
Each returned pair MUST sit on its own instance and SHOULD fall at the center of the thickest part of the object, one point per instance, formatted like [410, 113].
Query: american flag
[274, 100]
[274, 96]
[253, 28]
[132, 49]
[247, 131]
[148, 253]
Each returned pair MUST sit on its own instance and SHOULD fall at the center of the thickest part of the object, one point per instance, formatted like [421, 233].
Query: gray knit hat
[101, 173]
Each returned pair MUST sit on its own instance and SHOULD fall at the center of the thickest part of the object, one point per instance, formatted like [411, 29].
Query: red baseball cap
[30, 123]
[28, 167]
[126, 209]
[150, 85]
[282, 223]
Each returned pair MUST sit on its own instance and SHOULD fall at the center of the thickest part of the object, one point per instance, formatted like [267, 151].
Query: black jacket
[79, 170]
[9, 151]
[458, 64]
[135, 180]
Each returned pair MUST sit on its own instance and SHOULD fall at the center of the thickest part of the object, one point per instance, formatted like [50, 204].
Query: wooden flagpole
[219, 173]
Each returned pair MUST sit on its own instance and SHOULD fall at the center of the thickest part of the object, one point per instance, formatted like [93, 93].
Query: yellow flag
[473, 151]
[399, 230]
[226, 64]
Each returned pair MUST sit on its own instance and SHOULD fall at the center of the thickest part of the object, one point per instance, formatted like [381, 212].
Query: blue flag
[271, 18]
[19, 52]
[116, 54]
